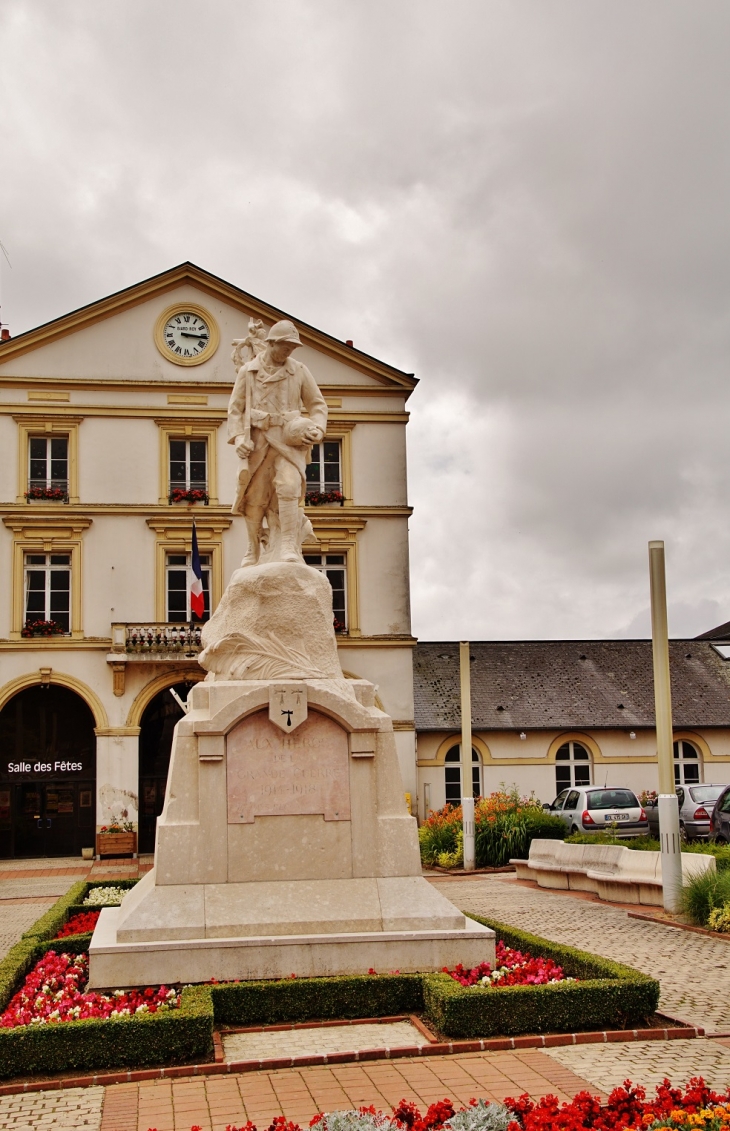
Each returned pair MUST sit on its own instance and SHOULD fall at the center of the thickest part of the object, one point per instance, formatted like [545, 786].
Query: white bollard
[668, 806]
[467, 817]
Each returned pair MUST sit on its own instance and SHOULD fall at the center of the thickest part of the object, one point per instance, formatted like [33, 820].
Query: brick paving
[314, 1042]
[53, 1111]
[647, 1062]
[694, 970]
[213, 1102]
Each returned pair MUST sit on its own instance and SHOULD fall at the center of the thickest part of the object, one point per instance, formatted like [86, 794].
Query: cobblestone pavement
[694, 970]
[647, 1063]
[53, 1111]
[323, 1039]
[214, 1101]
[16, 919]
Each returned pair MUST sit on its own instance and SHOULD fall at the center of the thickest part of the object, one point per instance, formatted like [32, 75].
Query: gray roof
[529, 684]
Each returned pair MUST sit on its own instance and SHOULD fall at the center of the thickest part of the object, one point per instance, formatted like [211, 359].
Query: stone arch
[58, 679]
[160, 683]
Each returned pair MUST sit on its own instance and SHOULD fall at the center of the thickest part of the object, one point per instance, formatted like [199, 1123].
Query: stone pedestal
[282, 849]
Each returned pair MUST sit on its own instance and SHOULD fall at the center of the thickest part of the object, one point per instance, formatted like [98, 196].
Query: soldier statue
[273, 439]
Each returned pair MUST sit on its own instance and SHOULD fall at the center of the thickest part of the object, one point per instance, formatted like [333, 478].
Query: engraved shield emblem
[287, 706]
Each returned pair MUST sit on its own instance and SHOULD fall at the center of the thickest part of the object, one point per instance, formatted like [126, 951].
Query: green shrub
[608, 995]
[505, 826]
[703, 894]
[721, 852]
[51, 922]
[177, 1037]
[321, 999]
[719, 919]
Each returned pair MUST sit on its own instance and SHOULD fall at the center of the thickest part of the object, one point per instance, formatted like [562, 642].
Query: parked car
[590, 809]
[696, 803]
[720, 817]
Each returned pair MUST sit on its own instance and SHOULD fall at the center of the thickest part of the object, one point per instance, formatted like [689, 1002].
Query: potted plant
[118, 838]
[323, 498]
[188, 495]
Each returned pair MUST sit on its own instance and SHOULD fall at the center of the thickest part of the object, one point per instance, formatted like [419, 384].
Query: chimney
[4, 334]
[350, 343]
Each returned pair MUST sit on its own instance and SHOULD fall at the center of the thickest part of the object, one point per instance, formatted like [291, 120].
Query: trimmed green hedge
[79, 905]
[609, 995]
[321, 999]
[177, 1037]
[50, 924]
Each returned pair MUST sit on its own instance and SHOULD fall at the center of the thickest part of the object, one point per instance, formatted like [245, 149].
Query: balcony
[155, 641]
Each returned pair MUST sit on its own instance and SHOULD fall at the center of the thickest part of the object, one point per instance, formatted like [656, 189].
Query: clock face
[186, 335]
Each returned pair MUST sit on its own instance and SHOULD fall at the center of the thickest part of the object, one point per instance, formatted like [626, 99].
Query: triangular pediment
[113, 338]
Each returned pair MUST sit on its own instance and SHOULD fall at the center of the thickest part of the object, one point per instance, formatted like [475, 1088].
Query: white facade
[99, 379]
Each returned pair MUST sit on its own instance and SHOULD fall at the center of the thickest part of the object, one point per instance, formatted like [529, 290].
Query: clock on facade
[186, 334]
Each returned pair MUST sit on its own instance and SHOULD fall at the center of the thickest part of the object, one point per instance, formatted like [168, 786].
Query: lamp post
[671, 856]
[467, 802]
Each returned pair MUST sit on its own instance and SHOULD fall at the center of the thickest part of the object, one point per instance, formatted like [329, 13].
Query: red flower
[79, 924]
[511, 968]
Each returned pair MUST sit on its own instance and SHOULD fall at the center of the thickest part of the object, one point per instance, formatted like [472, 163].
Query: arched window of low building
[452, 775]
[687, 763]
[572, 766]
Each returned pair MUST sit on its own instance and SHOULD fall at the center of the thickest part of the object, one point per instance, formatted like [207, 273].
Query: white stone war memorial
[285, 845]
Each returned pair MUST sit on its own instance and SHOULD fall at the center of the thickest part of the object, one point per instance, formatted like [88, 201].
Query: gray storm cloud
[525, 203]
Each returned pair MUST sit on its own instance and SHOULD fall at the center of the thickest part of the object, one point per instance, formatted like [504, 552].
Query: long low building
[547, 714]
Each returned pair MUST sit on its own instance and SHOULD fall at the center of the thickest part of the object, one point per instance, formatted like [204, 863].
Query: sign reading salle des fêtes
[47, 768]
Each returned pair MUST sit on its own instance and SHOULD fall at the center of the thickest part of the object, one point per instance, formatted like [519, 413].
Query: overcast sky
[526, 202]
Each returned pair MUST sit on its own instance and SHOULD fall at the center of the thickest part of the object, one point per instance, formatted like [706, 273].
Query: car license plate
[616, 817]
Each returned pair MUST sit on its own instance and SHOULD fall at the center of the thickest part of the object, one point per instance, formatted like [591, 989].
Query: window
[333, 566]
[48, 468]
[687, 765]
[572, 766]
[48, 589]
[188, 471]
[452, 775]
[324, 474]
[179, 573]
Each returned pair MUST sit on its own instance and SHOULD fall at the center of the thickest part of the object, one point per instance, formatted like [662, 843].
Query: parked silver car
[591, 809]
[696, 803]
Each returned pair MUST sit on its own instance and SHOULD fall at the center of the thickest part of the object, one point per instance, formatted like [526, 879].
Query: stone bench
[612, 872]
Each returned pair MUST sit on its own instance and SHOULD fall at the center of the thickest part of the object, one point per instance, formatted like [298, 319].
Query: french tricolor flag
[197, 598]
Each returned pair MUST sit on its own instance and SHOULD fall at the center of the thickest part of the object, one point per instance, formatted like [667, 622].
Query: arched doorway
[155, 743]
[47, 773]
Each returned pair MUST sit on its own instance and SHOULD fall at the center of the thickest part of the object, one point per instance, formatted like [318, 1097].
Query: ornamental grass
[505, 824]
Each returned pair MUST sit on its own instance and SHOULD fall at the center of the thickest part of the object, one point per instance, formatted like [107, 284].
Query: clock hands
[190, 334]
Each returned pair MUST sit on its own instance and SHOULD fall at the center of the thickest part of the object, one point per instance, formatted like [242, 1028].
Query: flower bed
[512, 968]
[55, 991]
[105, 895]
[505, 825]
[694, 1108]
[81, 924]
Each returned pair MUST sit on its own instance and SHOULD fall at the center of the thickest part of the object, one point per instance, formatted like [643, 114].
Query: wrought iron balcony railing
[156, 640]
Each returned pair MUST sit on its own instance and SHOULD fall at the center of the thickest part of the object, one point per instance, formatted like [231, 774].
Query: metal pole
[467, 802]
[671, 856]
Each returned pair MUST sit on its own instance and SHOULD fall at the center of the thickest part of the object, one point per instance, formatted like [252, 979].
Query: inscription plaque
[270, 773]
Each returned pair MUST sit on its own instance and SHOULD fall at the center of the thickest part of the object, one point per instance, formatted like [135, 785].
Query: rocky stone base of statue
[285, 846]
[274, 622]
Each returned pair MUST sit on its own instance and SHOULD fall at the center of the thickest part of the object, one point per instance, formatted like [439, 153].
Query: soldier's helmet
[284, 331]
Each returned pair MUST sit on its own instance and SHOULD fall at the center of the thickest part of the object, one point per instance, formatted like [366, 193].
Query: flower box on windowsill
[116, 844]
[183, 495]
[324, 498]
[42, 628]
[47, 494]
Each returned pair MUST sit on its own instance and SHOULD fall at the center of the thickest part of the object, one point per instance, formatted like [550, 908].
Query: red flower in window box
[338, 625]
[42, 628]
[56, 494]
[321, 498]
[188, 495]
